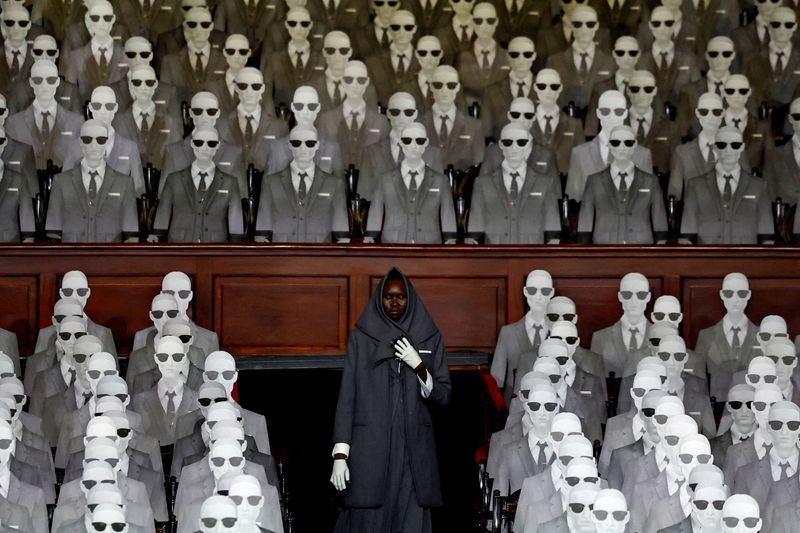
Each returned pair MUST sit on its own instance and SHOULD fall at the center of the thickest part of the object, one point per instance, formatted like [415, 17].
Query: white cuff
[341, 447]
[426, 387]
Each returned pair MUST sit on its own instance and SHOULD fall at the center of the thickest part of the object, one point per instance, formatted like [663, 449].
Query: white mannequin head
[245, 491]
[782, 25]
[355, 80]
[305, 105]
[667, 308]
[584, 26]
[337, 52]
[676, 429]
[99, 20]
[516, 145]
[720, 53]
[549, 366]
[100, 427]
[709, 474]
[662, 22]
[123, 425]
[102, 450]
[96, 474]
[735, 293]
[484, 20]
[707, 504]
[45, 48]
[643, 382]
[94, 142]
[113, 386]
[765, 396]
[563, 425]
[521, 55]
[737, 91]
[522, 111]
[761, 370]
[298, 24]
[401, 111]
[227, 429]
[672, 351]
[75, 284]
[210, 392]
[612, 110]
[219, 412]
[250, 88]
[610, 513]
[237, 51]
[65, 307]
[384, 10]
[740, 407]
[303, 144]
[221, 367]
[402, 29]
[197, 26]
[658, 332]
[100, 364]
[548, 87]
[103, 104]
[162, 308]
[13, 386]
[171, 360]
[82, 351]
[70, 329]
[445, 86]
[642, 90]
[104, 494]
[225, 456]
[205, 145]
[709, 113]
[109, 517]
[138, 51]
[573, 447]
[413, 142]
[538, 291]
[561, 308]
[784, 428]
[694, 450]
[16, 25]
[634, 295]
[728, 147]
[180, 327]
[108, 404]
[567, 332]
[205, 112]
[44, 81]
[579, 508]
[429, 53]
[218, 515]
[626, 53]
[178, 284]
[541, 407]
[648, 411]
[741, 514]
[781, 351]
[622, 143]
[771, 326]
[142, 83]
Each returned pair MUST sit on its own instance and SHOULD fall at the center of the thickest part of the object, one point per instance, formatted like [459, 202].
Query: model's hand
[260, 238]
[152, 238]
[406, 352]
[341, 474]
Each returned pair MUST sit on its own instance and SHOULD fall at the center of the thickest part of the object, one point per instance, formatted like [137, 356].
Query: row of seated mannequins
[665, 464]
[109, 433]
[232, 63]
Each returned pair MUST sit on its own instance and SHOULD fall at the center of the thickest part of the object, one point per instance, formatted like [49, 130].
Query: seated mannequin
[179, 285]
[16, 213]
[302, 203]
[586, 361]
[667, 311]
[396, 66]
[221, 367]
[194, 442]
[305, 109]
[414, 185]
[610, 511]
[16, 26]
[617, 343]
[517, 82]
[149, 374]
[245, 492]
[175, 35]
[781, 352]
[625, 53]
[220, 218]
[756, 132]
[654, 130]
[728, 345]
[738, 422]
[74, 284]
[719, 192]
[28, 464]
[631, 210]
[578, 515]
[777, 165]
[20, 490]
[429, 53]
[237, 52]
[557, 37]
[516, 203]
[331, 88]
[141, 359]
[27, 427]
[485, 64]
[648, 360]
[771, 327]
[169, 398]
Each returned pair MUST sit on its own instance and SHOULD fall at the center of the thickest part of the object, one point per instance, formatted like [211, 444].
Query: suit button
[294, 217]
[84, 217]
[419, 229]
[206, 230]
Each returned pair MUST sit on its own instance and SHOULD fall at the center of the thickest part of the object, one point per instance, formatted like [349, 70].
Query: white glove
[369, 240]
[341, 474]
[407, 353]
[152, 238]
[260, 238]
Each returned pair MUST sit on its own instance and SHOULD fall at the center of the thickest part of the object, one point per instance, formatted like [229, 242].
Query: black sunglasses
[87, 139]
[172, 313]
[659, 316]
[627, 295]
[788, 25]
[106, 18]
[232, 51]
[578, 508]
[390, 3]
[555, 317]
[515, 115]
[211, 522]
[226, 375]
[678, 356]
[621, 53]
[437, 85]
[51, 80]
[362, 80]
[788, 360]
[741, 293]
[553, 86]
[211, 111]
[627, 142]
[721, 145]
[205, 402]
[97, 106]
[406, 27]
[294, 23]
[703, 112]
[590, 24]
[548, 406]
[116, 526]
[144, 54]
[515, 55]
[777, 425]
[508, 143]
[330, 50]
[201, 142]
[38, 52]
[82, 292]
[243, 86]
[297, 143]
[137, 82]
[605, 111]
[743, 91]
[395, 112]
[713, 54]
[736, 405]
[408, 140]
[703, 504]
[219, 461]
[750, 522]
[182, 294]
[66, 335]
[648, 89]
[433, 53]
[164, 357]
[192, 24]
[299, 106]
[667, 23]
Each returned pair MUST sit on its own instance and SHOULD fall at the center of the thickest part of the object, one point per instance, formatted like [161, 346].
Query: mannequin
[245, 492]
[771, 327]
[163, 307]
[70, 328]
[330, 85]
[16, 25]
[760, 370]
[781, 351]
[755, 448]
[107, 516]
[583, 365]
[578, 516]
[392, 212]
[187, 451]
[610, 512]
[96, 476]
[738, 422]
[706, 513]
[100, 364]
[625, 53]
[741, 514]
[543, 496]
[389, 73]
[26, 426]
[727, 350]
[19, 491]
[564, 424]
[525, 335]
[236, 43]
[218, 514]
[617, 343]
[429, 56]
[707, 474]
[45, 356]
[143, 377]
[757, 132]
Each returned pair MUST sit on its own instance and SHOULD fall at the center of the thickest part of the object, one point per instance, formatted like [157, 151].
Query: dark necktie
[779, 63]
[718, 87]
[170, 405]
[251, 7]
[464, 36]
[337, 92]
[248, 130]
[514, 11]
[711, 158]
[353, 122]
[542, 459]
[584, 70]
[735, 341]
[427, 10]
[632, 344]
[302, 188]
[520, 89]
[548, 128]
[72, 376]
[401, 65]
[412, 183]
[15, 63]
[767, 448]
[784, 471]
[485, 65]
[92, 185]
[737, 122]
[198, 65]
[332, 8]
[443, 130]
[298, 60]
[144, 126]
[623, 192]
[202, 186]
[664, 63]
[513, 193]
[640, 130]
[537, 335]
[727, 194]
[146, 5]
[46, 125]
[86, 397]
[385, 37]
[701, 8]
[103, 59]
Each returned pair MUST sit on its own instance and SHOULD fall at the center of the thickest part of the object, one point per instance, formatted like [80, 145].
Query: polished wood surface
[302, 300]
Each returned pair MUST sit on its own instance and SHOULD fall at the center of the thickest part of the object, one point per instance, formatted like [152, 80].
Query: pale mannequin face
[100, 20]
[548, 87]
[401, 111]
[642, 90]
[205, 110]
[667, 310]
[103, 105]
[542, 406]
[523, 113]
[303, 154]
[622, 144]
[97, 474]
[218, 515]
[75, 285]
[237, 52]
[737, 91]
[610, 514]
[445, 86]
[644, 382]
[634, 295]
[225, 456]
[429, 53]
[711, 499]
[94, 152]
[674, 432]
[221, 369]
[782, 25]
[785, 359]
[584, 27]
[740, 407]
[70, 329]
[403, 27]
[44, 81]
[355, 81]
[180, 328]
[197, 27]
[794, 115]
[569, 6]
[67, 307]
[612, 110]
[305, 106]
[161, 309]
[110, 516]
[298, 24]
[735, 292]
[246, 494]
[179, 286]
[16, 24]
[695, 450]
[579, 513]
[205, 145]
[771, 327]
[538, 291]
[484, 17]
[784, 428]
[461, 8]
[170, 358]
[515, 143]
[741, 517]
[384, 9]
[662, 24]
[100, 364]
[409, 142]
[763, 400]
[709, 112]
[626, 53]
[138, 52]
[250, 87]
[521, 54]
[720, 54]
[675, 353]
[334, 44]
[143, 84]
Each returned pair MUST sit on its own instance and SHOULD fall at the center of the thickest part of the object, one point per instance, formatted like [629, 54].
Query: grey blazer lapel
[316, 185]
[77, 183]
[710, 180]
[608, 185]
[525, 457]
[109, 183]
[500, 187]
[188, 184]
[30, 122]
[594, 152]
[399, 184]
[741, 189]
[425, 186]
[531, 178]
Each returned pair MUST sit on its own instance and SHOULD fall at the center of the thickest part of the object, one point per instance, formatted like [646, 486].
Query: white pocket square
[569, 134]
[125, 157]
[13, 189]
[662, 139]
[644, 190]
[434, 190]
[425, 351]
[749, 196]
[374, 130]
[603, 73]
[326, 158]
[223, 191]
[534, 13]
[14, 163]
[350, 10]
[224, 163]
[542, 163]
[535, 194]
[324, 194]
[683, 67]
[465, 137]
[114, 194]
[68, 133]
[269, 137]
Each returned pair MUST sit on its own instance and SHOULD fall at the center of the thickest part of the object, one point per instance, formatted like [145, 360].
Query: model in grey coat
[586, 159]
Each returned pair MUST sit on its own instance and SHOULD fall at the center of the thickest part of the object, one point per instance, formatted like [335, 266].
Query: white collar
[101, 169]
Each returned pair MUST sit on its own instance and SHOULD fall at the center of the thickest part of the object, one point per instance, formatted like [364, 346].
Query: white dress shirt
[23, 50]
[394, 144]
[162, 391]
[510, 3]
[437, 117]
[405, 171]
[96, 46]
[65, 367]
[295, 172]
[230, 82]
[394, 56]
[2, 170]
[577, 54]
[137, 109]
[741, 116]
[641, 330]
[514, 82]
[796, 148]
[242, 114]
[98, 179]
[617, 179]
[423, 83]
[520, 179]
[304, 52]
[533, 445]
[37, 114]
[773, 54]
[330, 84]
[490, 52]
[775, 464]
[711, 82]
[721, 185]
[205, 50]
[634, 117]
[196, 170]
[361, 109]
[378, 28]
[705, 143]
[759, 442]
[529, 329]
[5, 479]
[541, 118]
[737, 436]
[456, 25]
[658, 49]
[637, 426]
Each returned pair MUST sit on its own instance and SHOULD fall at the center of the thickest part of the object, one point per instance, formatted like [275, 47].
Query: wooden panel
[597, 302]
[281, 314]
[18, 310]
[468, 311]
[704, 308]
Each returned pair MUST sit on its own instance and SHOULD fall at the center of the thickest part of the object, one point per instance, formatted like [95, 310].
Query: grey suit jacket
[620, 459]
[474, 78]
[9, 346]
[16, 210]
[531, 219]
[233, 16]
[183, 215]
[285, 218]
[782, 173]
[124, 158]
[682, 71]
[739, 455]
[65, 130]
[164, 131]
[535, 491]
[145, 380]
[607, 218]
[205, 339]
[142, 360]
[42, 461]
[178, 70]
[756, 480]
[80, 67]
[155, 422]
[641, 469]
[254, 424]
[269, 130]
[19, 157]
[464, 144]
[15, 517]
[784, 519]
[688, 162]
[512, 342]
[497, 441]
[326, 101]
[31, 498]
[328, 157]
[577, 88]
[179, 156]
[619, 433]
[585, 160]
[165, 98]
[353, 145]
[652, 507]
[722, 361]
[782, 494]
[195, 478]
[542, 160]
[777, 90]
[20, 96]
[568, 134]
[516, 464]
[428, 217]
[46, 339]
[608, 342]
[386, 79]
[72, 218]
[379, 161]
[72, 502]
[57, 406]
[556, 525]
